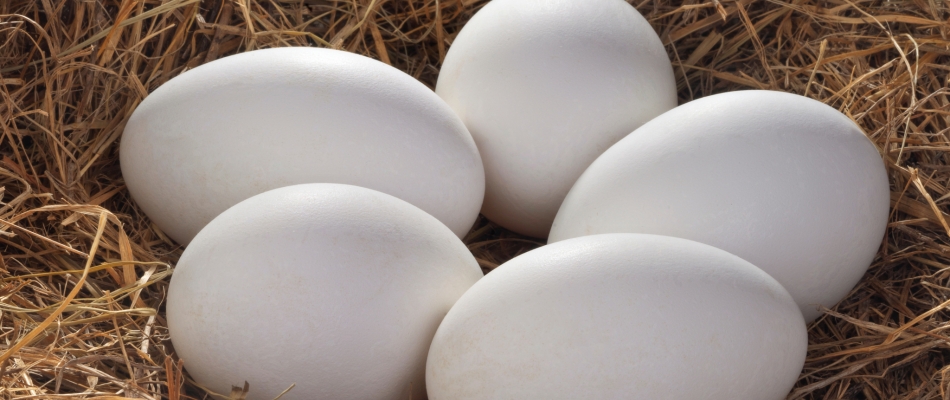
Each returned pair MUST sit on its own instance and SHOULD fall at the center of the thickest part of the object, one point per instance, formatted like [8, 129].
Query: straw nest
[84, 272]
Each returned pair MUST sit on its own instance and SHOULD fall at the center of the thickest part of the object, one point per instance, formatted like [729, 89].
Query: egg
[545, 87]
[334, 288]
[785, 182]
[256, 121]
[620, 316]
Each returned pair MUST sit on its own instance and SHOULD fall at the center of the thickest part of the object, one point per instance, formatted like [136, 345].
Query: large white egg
[335, 288]
[256, 121]
[545, 87]
[620, 316]
[785, 182]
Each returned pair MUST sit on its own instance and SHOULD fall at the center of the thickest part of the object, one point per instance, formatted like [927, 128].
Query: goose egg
[334, 288]
[785, 182]
[256, 121]
[620, 316]
[545, 87]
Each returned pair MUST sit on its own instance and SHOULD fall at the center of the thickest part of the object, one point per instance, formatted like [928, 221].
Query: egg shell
[785, 182]
[256, 121]
[620, 316]
[547, 86]
[335, 288]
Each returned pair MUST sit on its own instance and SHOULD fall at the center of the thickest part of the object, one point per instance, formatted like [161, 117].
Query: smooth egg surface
[620, 316]
[545, 87]
[256, 121]
[334, 288]
[785, 182]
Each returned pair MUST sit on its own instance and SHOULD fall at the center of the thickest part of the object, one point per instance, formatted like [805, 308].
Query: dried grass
[84, 272]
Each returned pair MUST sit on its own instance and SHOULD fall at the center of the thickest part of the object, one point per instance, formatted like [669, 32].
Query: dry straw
[84, 272]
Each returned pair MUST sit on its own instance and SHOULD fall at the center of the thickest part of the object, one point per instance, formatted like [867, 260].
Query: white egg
[620, 316]
[335, 288]
[256, 121]
[545, 87]
[785, 182]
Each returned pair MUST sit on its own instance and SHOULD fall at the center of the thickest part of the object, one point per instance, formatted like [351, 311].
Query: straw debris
[83, 272]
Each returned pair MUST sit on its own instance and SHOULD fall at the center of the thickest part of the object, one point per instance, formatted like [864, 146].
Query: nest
[84, 272]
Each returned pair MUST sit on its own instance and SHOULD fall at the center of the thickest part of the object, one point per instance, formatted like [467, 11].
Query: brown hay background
[71, 72]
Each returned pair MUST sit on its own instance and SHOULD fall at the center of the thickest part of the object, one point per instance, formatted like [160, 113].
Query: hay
[84, 272]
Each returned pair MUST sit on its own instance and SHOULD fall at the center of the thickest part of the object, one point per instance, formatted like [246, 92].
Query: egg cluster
[321, 196]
